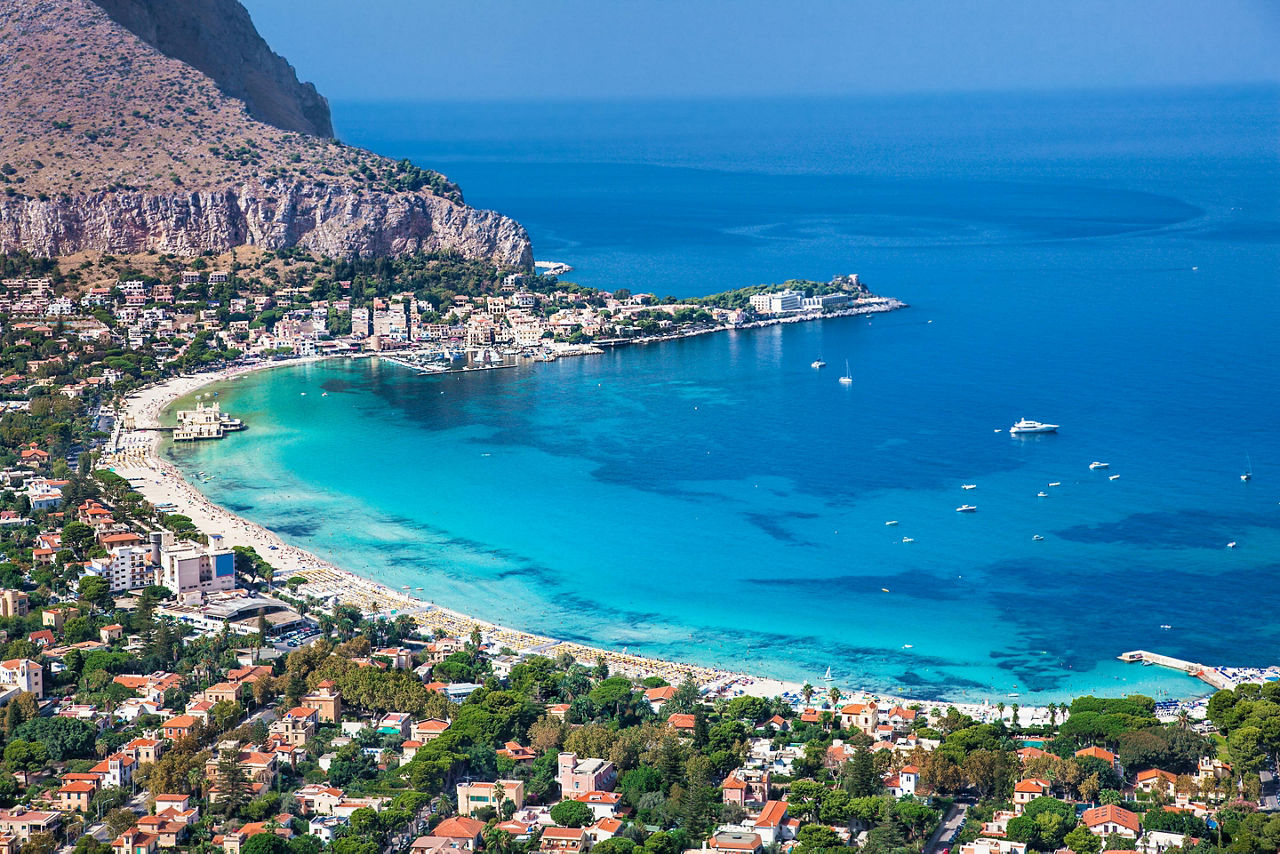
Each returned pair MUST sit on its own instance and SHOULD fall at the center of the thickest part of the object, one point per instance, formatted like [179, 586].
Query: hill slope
[217, 38]
[111, 146]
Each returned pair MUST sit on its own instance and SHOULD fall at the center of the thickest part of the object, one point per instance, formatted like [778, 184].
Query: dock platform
[1202, 672]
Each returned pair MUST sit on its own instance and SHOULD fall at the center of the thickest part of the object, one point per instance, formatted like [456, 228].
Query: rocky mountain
[112, 145]
[217, 38]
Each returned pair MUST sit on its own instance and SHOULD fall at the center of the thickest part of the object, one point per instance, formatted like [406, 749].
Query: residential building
[327, 701]
[14, 603]
[297, 726]
[746, 787]
[124, 568]
[476, 796]
[576, 776]
[23, 823]
[23, 674]
[1106, 820]
[571, 840]
[189, 567]
[1026, 791]
[463, 831]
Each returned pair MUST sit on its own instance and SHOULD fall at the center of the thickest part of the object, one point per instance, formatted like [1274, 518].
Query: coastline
[163, 482]
[137, 457]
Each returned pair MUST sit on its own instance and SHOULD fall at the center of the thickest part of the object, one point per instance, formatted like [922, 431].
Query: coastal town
[175, 677]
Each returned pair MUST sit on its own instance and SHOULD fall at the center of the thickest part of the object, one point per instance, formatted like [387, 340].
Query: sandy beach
[134, 454]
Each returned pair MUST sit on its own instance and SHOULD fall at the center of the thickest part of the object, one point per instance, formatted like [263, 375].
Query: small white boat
[1165, 626]
[818, 363]
[891, 522]
[324, 394]
[1026, 426]
[967, 508]
[847, 379]
[908, 645]
[1097, 465]
[302, 393]
[1056, 483]
[1114, 477]
[827, 677]
[1231, 545]
[1042, 494]
[908, 540]
[1037, 538]
[968, 486]
[1248, 471]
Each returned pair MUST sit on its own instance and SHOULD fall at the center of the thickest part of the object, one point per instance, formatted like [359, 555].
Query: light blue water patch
[1106, 265]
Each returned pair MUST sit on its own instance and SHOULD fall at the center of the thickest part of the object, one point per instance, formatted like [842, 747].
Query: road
[948, 828]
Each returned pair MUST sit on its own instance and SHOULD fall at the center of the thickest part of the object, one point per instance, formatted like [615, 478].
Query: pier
[204, 422]
[1202, 672]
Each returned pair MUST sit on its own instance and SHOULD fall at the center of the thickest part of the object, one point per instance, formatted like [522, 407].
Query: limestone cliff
[111, 145]
[218, 38]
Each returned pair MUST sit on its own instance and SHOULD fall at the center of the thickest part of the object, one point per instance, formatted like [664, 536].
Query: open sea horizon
[1106, 262]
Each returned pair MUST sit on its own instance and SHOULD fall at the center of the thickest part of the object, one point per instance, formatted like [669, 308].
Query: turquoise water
[1105, 264]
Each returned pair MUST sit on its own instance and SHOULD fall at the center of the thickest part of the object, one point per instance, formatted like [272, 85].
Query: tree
[265, 843]
[570, 813]
[79, 537]
[119, 820]
[817, 837]
[233, 783]
[1081, 841]
[96, 590]
[40, 843]
[25, 756]
[64, 738]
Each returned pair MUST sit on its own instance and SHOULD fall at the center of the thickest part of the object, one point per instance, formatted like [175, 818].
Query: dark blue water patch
[1183, 529]
[771, 525]
[296, 529]
[913, 584]
[1085, 614]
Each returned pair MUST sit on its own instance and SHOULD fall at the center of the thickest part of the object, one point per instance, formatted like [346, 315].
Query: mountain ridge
[112, 146]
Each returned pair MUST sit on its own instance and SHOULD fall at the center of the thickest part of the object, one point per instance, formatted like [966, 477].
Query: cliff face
[111, 145]
[217, 38]
[327, 220]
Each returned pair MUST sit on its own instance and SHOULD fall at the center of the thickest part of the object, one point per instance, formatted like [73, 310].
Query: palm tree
[1000, 709]
[834, 694]
[806, 693]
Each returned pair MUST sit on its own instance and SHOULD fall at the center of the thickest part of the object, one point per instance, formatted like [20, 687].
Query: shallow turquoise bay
[717, 500]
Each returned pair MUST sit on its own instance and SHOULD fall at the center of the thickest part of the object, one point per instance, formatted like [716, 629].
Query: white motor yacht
[1027, 426]
[967, 508]
[1097, 465]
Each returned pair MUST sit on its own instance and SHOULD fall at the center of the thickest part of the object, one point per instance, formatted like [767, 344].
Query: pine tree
[233, 783]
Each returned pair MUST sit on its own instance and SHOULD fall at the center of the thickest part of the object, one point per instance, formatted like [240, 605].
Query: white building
[190, 568]
[125, 568]
[23, 674]
[782, 302]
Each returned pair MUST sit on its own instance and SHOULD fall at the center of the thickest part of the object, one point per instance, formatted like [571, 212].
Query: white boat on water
[847, 379]
[1097, 465]
[1114, 477]
[908, 540]
[1056, 483]
[1042, 494]
[1026, 426]
[818, 363]
[968, 486]
[891, 522]
[828, 677]
[1037, 538]
[1231, 545]
[967, 508]
[1248, 471]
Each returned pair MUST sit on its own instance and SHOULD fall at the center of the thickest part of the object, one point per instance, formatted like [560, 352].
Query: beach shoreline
[138, 458]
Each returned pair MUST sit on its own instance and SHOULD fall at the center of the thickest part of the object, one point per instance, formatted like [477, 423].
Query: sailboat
[827, 677]
[1248, 472]
[847, 379]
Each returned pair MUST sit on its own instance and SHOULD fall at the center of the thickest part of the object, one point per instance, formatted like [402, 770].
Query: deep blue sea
[1109, 263]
